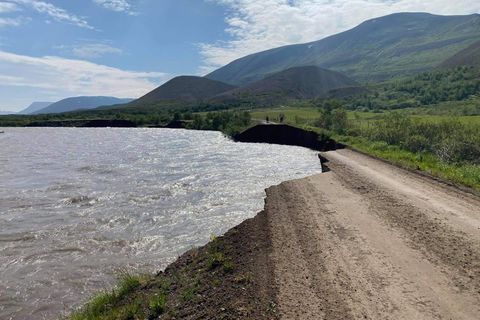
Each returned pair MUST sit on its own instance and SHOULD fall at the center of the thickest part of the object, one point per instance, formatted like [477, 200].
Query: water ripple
[77, 205]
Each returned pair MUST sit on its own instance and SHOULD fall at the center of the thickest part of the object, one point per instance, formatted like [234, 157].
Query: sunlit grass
[463, 174]
[111, 305]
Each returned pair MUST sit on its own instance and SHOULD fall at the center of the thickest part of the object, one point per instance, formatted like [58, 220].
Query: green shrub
[157, 303]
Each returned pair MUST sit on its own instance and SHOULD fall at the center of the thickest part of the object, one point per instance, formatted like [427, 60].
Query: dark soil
[237, 287]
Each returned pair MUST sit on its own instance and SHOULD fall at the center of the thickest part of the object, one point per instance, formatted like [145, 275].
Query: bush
[333, 119]
[229, 122]
[450, 140]
[416, 143]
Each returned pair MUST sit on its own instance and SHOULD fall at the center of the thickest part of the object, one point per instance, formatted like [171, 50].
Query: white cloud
[94, 50]
[15, 22]
[69, 77]
[90, 50]
[54, 12]
[116, 5]
[8, 7]
[260, 25]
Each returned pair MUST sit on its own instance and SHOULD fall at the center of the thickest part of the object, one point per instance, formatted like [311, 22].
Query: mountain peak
[81, 103]
[185, 89]
[35, 106]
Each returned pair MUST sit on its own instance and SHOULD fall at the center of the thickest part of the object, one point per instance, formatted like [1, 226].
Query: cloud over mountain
[67, 77]
[259, 25]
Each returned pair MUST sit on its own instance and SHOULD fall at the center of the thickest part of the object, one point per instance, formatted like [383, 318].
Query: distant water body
[79, 206]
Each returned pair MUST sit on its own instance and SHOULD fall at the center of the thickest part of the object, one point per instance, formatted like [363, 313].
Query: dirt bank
[364, 240]
[278, 133]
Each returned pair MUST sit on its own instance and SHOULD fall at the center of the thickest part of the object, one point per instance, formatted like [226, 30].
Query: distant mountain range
[6, 112]
[378, 49]
[81, 103]
[35, 106]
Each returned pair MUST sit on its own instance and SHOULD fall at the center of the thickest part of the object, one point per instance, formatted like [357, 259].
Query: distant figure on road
[266, 119]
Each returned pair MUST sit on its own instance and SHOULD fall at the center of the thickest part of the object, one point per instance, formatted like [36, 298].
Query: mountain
[81, 103]
[306, 82]
[6, 112]
[35, 106]
[467, 57]
[377, 49]
[184, 89]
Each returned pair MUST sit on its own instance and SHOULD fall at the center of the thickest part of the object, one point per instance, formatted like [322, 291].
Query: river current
[80, 206]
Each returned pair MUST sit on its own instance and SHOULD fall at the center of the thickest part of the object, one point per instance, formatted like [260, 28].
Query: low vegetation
[425, 89]
[122, 302]
[446, 148]
[229, 122]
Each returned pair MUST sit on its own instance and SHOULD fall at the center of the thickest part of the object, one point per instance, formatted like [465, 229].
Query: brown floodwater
[79, 206]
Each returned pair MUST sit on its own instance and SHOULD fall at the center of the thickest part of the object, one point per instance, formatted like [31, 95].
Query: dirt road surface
[367, 240]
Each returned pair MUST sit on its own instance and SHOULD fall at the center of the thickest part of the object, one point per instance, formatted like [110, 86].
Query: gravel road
[367, 240]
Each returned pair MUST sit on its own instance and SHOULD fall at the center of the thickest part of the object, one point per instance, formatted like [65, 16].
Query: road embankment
[288, 135]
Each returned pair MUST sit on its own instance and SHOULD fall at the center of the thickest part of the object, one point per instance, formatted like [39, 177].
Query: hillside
[184, 89]
[81, 103]
[35, 106]
[377, 49]
[295, 83]
[467, 57]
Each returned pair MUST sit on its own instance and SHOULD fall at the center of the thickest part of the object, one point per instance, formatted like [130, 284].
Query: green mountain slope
[295, 83]
[378, 49]
[467, 57]
[184, 89]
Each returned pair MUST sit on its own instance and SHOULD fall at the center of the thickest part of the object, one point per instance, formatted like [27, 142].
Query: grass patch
[128, 284]
[167, 293]
[464, 174]
[156, 304]
[116, 304]
[217, 258]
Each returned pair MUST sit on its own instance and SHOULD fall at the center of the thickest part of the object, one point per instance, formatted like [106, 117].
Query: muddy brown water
[79, 206]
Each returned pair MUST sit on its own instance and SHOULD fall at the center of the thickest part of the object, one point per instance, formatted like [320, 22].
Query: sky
[53, 49]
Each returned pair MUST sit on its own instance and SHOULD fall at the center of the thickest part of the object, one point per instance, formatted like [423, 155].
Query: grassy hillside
[307, 82]
[421, 90]
[184, 89]
[467, 57]
[378, 49]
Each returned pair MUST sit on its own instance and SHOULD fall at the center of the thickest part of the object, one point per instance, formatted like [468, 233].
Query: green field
[301, 116]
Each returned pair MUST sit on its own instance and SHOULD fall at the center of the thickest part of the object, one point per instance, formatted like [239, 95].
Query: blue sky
[52, 49]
